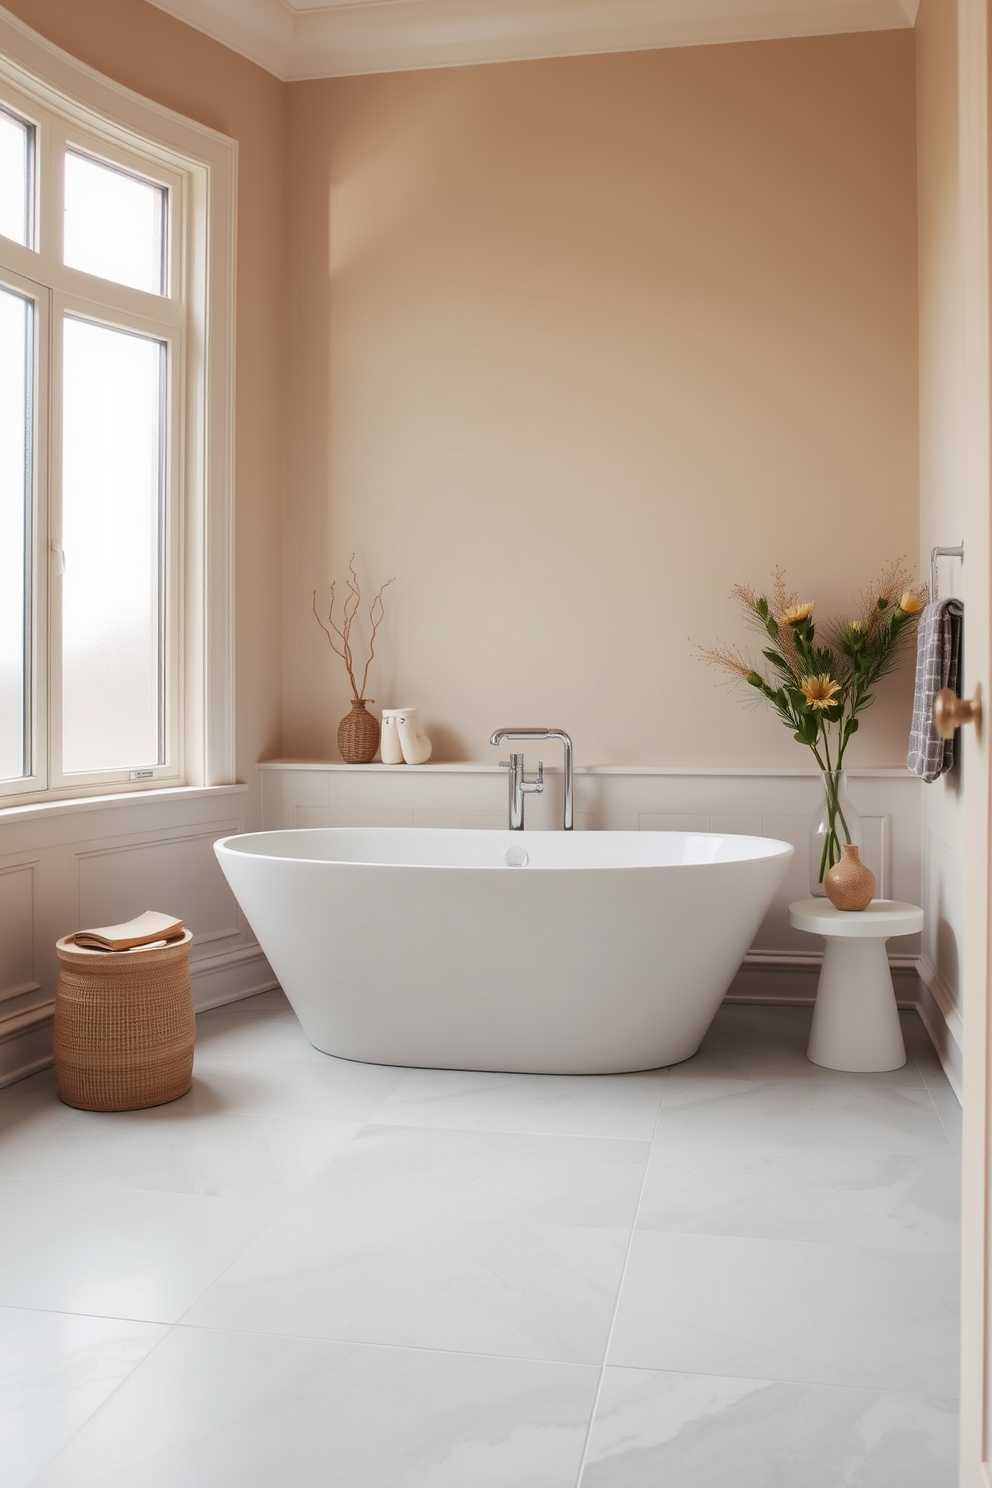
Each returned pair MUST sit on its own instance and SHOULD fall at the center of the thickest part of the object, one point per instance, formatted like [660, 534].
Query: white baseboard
[26, 1038]
[26, 1043]
[770, 978]
[767, 977]
[942, 1022]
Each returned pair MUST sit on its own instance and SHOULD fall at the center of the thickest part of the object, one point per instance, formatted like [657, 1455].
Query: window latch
[59, 552]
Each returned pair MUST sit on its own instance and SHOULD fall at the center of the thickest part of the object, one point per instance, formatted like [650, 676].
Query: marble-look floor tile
[56, 1369]
[325, 1089]
[28, 1110]
[527, 1291]
[767, 1309]
[948, 1109]
[760, 1043]
[866, 1117]
[794, 1227]
[780, 1193]
[937, 1080]
[408, 1175]
[273, 1001]
[918, 1041]
[623, 1106]
[124, 1253]
[264, 1037]
[218, 1410]
[657, 1430]
[179, 1149]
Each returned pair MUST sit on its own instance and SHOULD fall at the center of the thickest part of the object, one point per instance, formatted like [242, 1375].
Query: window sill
[39, 810]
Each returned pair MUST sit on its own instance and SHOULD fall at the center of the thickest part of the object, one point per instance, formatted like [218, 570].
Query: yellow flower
[910, 603]
[820, 691]
[797, 613]
[856, 625]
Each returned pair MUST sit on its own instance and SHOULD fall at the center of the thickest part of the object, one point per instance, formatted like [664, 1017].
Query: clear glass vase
[835, 822]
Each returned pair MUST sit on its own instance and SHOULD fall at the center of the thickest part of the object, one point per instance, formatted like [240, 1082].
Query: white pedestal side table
[855, 1020]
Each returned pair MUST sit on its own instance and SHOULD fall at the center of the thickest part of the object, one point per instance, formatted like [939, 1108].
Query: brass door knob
[950, 711]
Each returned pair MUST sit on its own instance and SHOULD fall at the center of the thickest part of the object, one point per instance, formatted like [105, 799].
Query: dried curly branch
[339, 636]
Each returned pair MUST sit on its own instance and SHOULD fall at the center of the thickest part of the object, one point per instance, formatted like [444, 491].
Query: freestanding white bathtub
[554, 952]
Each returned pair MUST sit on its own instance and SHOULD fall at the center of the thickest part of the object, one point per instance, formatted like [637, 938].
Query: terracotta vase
[358, 734]
[850, 885]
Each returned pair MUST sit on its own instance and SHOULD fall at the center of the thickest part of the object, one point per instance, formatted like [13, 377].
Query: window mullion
[48, 190]
[30, 632]
[51, 555]
[41, 555]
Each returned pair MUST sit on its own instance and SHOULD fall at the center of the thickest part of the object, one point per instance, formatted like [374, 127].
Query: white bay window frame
[71, 105]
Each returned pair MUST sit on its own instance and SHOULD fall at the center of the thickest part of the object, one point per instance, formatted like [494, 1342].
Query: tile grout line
[583, 1460]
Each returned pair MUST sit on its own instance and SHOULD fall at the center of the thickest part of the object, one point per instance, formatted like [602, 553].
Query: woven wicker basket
[124, 1026]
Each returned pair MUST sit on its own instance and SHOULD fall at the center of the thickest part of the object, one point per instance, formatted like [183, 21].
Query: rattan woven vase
[358, 734]
[124, 1026]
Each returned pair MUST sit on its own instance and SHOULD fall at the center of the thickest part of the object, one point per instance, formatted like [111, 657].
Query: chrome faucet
[519, 784]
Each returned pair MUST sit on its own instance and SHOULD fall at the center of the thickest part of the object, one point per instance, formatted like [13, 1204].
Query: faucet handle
[536, 785]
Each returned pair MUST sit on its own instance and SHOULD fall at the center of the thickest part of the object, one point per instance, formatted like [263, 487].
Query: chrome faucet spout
[560, 736]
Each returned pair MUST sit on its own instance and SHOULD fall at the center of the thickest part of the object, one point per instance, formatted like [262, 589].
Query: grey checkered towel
[938, 654]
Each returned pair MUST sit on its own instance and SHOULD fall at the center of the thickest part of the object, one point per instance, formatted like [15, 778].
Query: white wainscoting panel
[176, 872]
[18, 979]
[98, 862]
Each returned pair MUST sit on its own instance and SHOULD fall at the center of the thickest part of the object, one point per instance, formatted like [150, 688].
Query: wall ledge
[482, 767]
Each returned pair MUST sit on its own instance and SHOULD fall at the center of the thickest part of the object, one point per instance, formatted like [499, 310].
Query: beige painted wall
[942, 450]
[164, 60]
[573, 346]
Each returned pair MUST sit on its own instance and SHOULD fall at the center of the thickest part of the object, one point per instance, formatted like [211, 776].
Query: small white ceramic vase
[415, 745]
[390, 748]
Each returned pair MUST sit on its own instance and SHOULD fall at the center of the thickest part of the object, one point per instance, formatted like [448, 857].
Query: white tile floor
[310, 1272]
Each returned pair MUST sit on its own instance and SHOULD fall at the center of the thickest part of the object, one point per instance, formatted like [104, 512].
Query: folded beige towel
[141, 931]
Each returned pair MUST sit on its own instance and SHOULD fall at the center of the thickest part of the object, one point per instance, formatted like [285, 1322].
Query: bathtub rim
[237, 844]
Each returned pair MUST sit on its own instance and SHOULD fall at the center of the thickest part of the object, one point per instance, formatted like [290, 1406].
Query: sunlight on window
[15, 490]
[114, 224]
[15, 177]
[111, 538]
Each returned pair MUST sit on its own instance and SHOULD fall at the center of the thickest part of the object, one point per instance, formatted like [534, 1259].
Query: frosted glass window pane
[16, 317]
[111, 539]
[15, 177]
[113, 224]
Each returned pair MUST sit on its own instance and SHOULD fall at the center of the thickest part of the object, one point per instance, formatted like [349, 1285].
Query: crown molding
[340, 38]
[261, 30]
